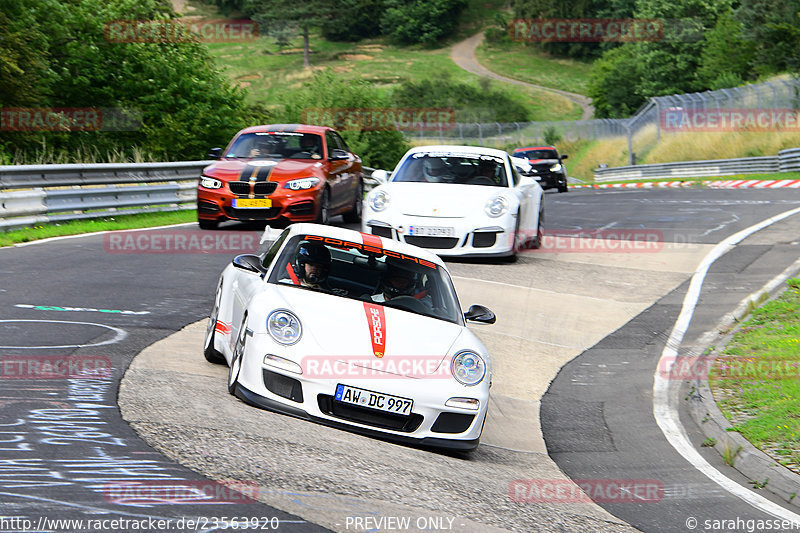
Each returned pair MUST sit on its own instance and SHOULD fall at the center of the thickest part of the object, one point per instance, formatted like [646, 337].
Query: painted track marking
[665, 396]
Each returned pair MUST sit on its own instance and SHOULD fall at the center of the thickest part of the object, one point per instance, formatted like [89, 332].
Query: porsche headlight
[497, 206]
[556, 168]
[379, 200]
[468, 368]
[301, 184]
[284, 327]
[210, 183]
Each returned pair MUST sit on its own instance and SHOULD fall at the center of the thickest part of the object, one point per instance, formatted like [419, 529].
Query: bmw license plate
[431, 231]
[373, 400]
[252, 203]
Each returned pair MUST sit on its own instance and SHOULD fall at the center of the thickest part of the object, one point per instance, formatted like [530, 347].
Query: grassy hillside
[530, 64]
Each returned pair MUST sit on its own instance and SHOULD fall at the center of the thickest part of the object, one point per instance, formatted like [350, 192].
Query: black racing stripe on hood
[259, 172]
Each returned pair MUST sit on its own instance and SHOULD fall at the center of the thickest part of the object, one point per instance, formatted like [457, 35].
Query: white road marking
[665, 397]
[120, 334]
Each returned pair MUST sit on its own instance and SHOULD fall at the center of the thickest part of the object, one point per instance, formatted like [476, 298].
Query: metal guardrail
[785, 161]
[40, 194]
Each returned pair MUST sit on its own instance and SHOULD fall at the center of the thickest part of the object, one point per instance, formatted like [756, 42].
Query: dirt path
[463, 54]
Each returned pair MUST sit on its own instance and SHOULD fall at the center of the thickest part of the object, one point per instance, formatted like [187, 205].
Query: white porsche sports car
[457, 201]
[354, 331]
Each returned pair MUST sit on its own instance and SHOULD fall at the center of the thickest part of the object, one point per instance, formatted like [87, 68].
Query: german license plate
[373, 400]
[252, 203]
[431, 231]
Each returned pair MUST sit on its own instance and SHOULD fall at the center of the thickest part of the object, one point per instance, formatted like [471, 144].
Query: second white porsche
[457, 201]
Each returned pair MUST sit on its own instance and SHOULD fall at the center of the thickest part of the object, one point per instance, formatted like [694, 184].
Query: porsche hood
[363, 331]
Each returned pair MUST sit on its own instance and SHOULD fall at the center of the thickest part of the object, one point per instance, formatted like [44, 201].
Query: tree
[420, 21]
[354, 20]
[774, 28]
[306, 15]
[184, 103]
[613, 82]
[727, 56]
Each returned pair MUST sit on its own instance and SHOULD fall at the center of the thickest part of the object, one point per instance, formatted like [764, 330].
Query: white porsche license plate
[373, 400]
[431, 231]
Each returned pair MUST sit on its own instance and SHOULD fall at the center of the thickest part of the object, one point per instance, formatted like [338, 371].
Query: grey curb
[751, 462]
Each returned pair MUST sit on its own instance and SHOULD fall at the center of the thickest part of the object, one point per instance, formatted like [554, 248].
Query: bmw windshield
[367, 273]
[276, 145]
[456, 168]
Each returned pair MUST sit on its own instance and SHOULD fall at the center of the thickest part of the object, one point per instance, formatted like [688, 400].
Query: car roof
[307, 228]
[458, 149]
[536, 148]
[291, 128]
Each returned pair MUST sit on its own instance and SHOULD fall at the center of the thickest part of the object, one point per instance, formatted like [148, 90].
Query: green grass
[757, 386]
[528, 63]
[268, 72]
[75, 227]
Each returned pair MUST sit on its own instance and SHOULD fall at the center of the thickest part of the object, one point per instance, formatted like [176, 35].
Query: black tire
[536, 242]
[207, 224]
[516, 246]
[562, 187]
[354, 215]
[210, 353]
[324, 213]
[236, 358]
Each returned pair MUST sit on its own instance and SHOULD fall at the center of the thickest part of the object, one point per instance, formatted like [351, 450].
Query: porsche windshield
[367, 273]
[277, 145]
[464, 169]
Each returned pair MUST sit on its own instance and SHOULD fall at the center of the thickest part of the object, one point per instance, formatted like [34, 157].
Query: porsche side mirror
[479, 313]
[525, 181]
[214, 153]
[248, 262]
[381, 176]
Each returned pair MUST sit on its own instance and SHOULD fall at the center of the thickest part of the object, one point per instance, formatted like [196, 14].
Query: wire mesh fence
[776, 102]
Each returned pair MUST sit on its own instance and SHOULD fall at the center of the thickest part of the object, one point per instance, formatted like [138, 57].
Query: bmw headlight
[210, 183]
[379, 200]
[556, 168]
[284, 327]
[497, 206]
[468, 368]
[301, 184]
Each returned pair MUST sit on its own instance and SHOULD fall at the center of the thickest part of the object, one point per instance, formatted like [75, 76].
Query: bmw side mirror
[479, 313]
[381, 176]
[214, 153]
[564, 156]
[248, 262]
[338, 155]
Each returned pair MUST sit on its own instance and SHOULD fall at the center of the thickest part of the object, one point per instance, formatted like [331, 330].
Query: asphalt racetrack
[139, 427]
